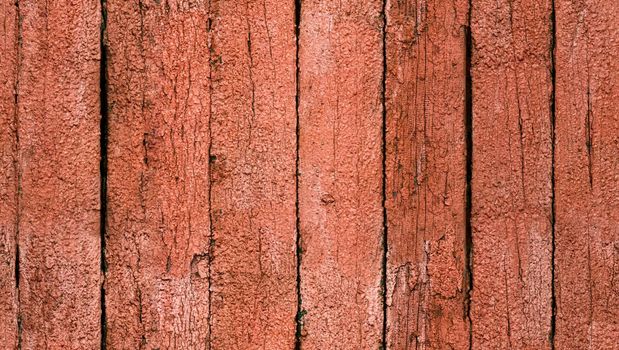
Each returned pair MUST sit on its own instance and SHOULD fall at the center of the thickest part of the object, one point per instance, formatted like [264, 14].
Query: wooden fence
[358, 174]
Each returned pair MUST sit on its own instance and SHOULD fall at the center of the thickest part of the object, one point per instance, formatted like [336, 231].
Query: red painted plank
[587, 180]
[340, 184]
[8, 169]
[158, 225]
[512, 176]
[58, 128]
[426, 174]
[253, 155]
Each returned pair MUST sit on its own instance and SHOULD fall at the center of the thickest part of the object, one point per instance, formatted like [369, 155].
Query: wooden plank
[340, 184]
[254, 299]
[587, 184]
[158, 229]
[9, 177]
[511, 174]
[58, 128]
[426, 174]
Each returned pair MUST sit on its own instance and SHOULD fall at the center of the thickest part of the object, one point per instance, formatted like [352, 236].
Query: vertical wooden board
[587, 180]
[8, 171]
[426, 174]
[58, 128]
[340, 183]
[158, 227]
[253, 157]
[511, 174]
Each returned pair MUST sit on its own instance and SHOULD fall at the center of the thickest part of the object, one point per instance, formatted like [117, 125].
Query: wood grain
[253, 156]
[426, 174]
[340, 184]
[512, 174]
[9, 170]
[158, 229]
[259, 174]
[587, 174]
[59, 200]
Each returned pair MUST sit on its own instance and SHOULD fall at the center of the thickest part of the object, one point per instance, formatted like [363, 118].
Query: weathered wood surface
[587, 174]
[340, 174]
[57, 125]
[158, 224]
[426, 174]
[511, 218]
[253, 159]
[8, 173]
[223, 174]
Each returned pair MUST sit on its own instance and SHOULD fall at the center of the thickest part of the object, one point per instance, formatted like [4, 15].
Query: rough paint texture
[340, 125]
[401, 114]
[253, 174]
[8, 169]
[158, 232]
[512, 178]
[587, 174]
[58, 128]
[425, 169]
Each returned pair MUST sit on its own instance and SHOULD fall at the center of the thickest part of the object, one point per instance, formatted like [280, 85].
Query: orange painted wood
[426, 174]
[340, 183]
[9, 173]
[59, 200]
[158, 226]
[253, 155]
[245, 174]
[587, 174]
[511, 174]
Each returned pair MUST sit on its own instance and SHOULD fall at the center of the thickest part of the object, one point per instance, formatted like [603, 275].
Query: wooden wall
[368, 174]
